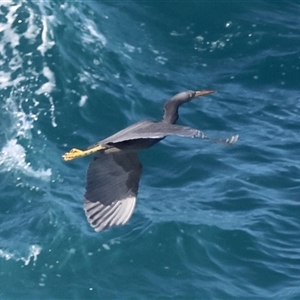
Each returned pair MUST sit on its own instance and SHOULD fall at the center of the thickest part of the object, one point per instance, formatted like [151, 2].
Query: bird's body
[113, 175]
[145, 134]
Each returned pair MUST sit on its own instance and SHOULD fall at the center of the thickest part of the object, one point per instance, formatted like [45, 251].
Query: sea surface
[211, 222]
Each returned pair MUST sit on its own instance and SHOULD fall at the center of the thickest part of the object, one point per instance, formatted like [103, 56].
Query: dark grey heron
[113, 175]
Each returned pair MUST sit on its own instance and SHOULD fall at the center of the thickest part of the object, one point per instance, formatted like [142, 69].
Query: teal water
[211, 222]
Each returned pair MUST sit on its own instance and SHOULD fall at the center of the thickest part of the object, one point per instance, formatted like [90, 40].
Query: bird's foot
[76, 153]
[72, 154]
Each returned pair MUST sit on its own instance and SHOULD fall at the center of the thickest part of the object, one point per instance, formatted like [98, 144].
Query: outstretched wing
[158, 130]
[152, 130]
[111, 189]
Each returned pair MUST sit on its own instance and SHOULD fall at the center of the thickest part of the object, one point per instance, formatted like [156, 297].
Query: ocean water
[211, 222]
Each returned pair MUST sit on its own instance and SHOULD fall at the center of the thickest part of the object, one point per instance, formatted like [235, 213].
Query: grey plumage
[111, 189]
[113, 175]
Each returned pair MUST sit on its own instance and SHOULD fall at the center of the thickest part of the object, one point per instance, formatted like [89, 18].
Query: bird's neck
[171, 111]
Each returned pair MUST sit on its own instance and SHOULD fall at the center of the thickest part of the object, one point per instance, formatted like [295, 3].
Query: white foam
[13, 157]
[175, 33]
[82, 100]
[33, 31]
[19, 119]
[94, 33]
[88, 28]
[46, 89]
[11, 38]
[49, 85]
[4, 79]
[9, 35]
[34, 251]
[22, 123]
[129, 48]
[105, 246]
[47, 43]
[6, 255]
[160, 59]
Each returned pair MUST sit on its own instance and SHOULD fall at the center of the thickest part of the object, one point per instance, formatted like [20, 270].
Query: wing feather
[151, 130]
[111, 190]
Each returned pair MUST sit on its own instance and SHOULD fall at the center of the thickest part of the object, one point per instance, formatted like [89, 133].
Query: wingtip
[232, 140]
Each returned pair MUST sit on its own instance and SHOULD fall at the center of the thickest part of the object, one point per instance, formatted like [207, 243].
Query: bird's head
[171, 106]
[190, 95]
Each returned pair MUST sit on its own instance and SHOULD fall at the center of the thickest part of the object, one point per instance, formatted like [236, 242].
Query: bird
[113, 176]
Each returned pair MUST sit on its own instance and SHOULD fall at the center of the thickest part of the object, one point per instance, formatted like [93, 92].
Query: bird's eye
[191, 95]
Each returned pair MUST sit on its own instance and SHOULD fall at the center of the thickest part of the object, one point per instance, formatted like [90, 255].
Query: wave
[33, 252]
[20, 80]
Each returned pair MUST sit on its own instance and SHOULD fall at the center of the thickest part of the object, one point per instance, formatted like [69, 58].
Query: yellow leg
[76, 153]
